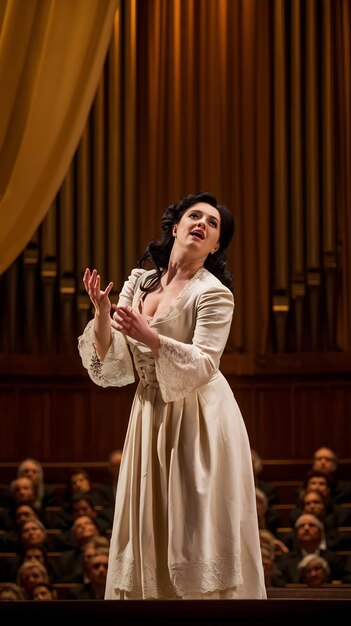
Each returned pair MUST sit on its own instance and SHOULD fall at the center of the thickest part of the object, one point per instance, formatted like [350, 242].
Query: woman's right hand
[99, 298]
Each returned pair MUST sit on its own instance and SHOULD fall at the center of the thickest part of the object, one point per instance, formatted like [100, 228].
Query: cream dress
[185, 522]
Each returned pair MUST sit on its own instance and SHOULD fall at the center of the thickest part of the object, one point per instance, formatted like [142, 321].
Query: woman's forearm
[103, 336]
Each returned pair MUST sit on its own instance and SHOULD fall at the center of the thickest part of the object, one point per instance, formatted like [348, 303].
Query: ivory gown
[185, 522]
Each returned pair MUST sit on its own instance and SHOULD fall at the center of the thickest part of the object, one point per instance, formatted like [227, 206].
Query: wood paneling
[51, 410]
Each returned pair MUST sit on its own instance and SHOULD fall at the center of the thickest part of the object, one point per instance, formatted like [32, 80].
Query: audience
[11, 592]
[310, 555]
[44, 592]
[29, 574]
[325, 459]
[314, 570]
[309, 536]
[70, 565]
[94, 588]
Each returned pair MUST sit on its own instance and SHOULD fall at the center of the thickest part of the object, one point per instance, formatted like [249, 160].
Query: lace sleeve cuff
[180, 368]
[116, 370]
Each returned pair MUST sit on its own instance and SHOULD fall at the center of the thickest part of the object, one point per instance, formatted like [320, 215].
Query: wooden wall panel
[273, 427]
[55, 413]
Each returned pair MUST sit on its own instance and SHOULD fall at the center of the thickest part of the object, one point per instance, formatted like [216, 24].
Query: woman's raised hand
[99, 298]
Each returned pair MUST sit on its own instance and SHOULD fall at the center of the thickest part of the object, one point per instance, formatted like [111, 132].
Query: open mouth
[198, 233]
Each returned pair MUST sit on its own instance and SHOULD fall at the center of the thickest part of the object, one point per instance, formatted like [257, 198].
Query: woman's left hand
[135, 325]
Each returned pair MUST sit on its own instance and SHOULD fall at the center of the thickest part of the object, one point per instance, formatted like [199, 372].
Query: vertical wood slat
[98, 191]
[67, 264]
[84, 252]
[280, 295]
[49, 264]
[129, 206]
[114, 221]
[328, 200]
[30, 293]
[312, 196]
[298, 285]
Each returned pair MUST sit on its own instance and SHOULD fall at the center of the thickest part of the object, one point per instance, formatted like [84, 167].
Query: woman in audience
[314, 570]
[11, 592]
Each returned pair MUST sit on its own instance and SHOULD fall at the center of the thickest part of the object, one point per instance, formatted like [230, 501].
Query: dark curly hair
[157, 253]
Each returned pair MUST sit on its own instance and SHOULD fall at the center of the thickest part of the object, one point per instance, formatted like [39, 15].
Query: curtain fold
[51, 57]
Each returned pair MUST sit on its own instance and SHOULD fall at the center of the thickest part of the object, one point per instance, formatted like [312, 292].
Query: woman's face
[198, 230]
[315, 574]
[31, 470]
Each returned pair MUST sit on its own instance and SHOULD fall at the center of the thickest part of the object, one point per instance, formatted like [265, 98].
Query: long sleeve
[116, 370]
[183, 367]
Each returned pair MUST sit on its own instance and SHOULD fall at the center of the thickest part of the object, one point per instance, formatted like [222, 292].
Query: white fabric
[185, 521]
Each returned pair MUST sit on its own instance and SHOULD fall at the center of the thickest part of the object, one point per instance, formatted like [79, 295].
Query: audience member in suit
[16, 518]
[70, 564]
[33, 538]
[80, 481]
[314, 502]
[309, 532]
[44, 495]
[326, 459]
[81, 504]
[20, 491]
[94, 588]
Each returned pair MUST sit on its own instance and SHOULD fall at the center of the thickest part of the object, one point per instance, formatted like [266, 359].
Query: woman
[185, 522]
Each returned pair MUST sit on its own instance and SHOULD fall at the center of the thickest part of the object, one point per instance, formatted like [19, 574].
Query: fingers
[92, 284]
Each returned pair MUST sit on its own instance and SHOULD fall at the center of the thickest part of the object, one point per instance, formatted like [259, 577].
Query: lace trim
[174, 303]
[96, 368]
[218, 574]
[186, 579]
[176, 368]
[116, 370]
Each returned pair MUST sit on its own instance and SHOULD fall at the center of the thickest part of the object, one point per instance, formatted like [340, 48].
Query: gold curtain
[51, 56]
[247, 99]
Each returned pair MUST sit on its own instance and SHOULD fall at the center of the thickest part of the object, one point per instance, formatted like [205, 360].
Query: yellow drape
[51, 57]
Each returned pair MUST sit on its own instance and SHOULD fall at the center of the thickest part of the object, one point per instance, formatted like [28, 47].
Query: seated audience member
[43, 495]
[79, 481]
[314, 570]
[263, 485]
[267, 518]
[94, 588]
[82, 504]
[325, 459]
[33, 539]
[34, 470]
[272, 574]
[10, 592]
[21, 491]
[40, 554]
[33, 534]
[16, 518]
[43, 592]
[29, 574]
[309, 532]
[314, 502]
[70, 564]
[114, 463]
[317, 480]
